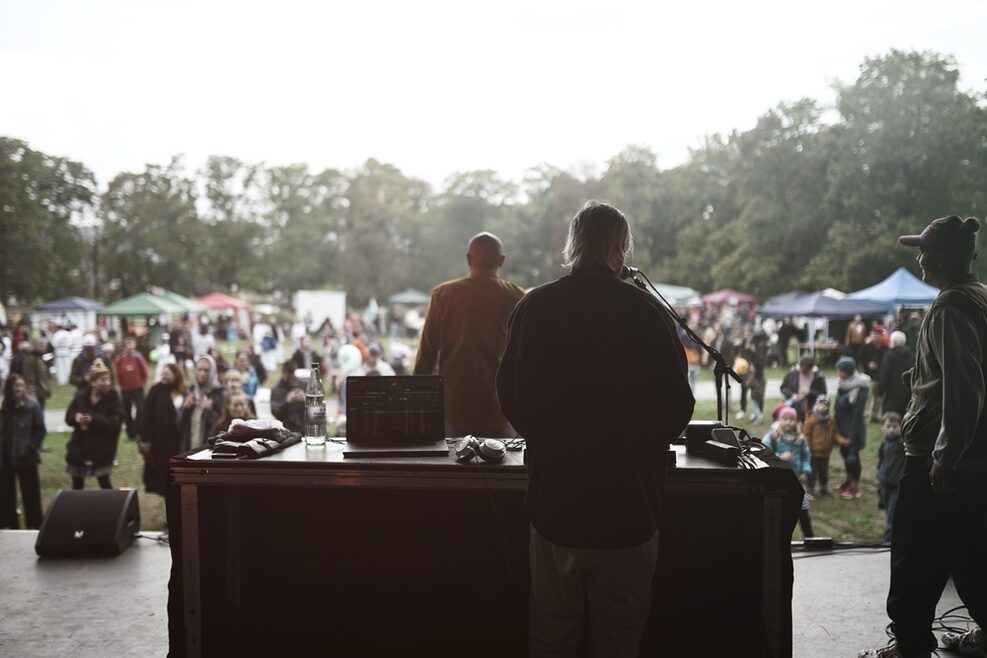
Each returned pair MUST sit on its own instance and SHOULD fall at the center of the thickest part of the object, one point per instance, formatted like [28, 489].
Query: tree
[234, 222]
[304, 218]
[910, 148]
[151, 232]
[471, 202]
[377, 232]
[41, 197]
[539, 227]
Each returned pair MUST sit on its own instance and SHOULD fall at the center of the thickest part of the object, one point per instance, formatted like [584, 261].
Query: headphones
[489, 450]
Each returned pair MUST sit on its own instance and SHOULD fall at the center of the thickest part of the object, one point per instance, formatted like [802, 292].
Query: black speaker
[89, 523]
[698, 433]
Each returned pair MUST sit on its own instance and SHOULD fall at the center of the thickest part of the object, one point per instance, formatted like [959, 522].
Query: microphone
[628, 272]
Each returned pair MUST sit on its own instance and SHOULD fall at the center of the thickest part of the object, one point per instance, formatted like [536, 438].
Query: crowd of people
[508, 359]
[167, 398]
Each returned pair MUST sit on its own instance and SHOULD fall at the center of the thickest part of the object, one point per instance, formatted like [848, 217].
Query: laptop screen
[394, 409]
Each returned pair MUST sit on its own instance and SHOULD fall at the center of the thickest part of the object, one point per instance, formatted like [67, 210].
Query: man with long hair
[597, 428]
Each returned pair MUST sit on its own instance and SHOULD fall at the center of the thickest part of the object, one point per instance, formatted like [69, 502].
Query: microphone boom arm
[722, 372]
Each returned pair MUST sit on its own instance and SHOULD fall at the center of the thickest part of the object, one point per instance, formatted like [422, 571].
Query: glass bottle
[315, 409]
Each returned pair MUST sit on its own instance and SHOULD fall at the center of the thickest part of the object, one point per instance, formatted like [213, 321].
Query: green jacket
[36, 376]
[946, 415]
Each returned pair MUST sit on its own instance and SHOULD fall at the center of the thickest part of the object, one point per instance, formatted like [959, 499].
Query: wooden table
[307, 553]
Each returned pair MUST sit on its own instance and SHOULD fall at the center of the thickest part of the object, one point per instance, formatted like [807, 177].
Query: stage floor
[116, 606]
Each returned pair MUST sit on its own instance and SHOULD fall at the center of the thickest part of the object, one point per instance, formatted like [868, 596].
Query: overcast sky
[435, 87]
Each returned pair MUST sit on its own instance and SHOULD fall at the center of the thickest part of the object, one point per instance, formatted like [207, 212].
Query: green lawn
[858, 520]
[844, 520]
[127, 474]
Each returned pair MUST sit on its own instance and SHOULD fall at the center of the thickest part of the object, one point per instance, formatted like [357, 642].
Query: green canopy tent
[409, 297]
[189, 305]
[143, 304]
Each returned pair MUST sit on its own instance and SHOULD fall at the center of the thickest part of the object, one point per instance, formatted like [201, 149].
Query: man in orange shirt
[465, 334]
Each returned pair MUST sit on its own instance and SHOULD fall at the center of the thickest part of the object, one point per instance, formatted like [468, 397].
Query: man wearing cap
[79, 377]
[939, 528]
[464, 334]
[95, 416]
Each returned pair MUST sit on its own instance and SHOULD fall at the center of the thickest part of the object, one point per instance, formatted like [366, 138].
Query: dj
[465, 332]
[594, 426]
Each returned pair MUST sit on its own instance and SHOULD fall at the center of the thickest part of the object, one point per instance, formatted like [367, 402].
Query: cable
[503, 530]
[940, 622]
[939, 625]
[161, 539]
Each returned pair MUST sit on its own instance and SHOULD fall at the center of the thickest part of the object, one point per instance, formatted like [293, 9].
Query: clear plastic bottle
[315, 409]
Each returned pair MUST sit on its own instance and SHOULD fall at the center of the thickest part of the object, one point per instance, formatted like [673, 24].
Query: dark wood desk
[308, 553]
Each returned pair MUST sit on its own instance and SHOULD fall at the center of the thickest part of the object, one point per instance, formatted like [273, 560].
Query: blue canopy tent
[902, 288]
[69, 304]
[80, 311]
[822, 304]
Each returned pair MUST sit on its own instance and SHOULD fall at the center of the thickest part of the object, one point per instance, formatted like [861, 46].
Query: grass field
[845, 520]
[858, 520]
[127, 474]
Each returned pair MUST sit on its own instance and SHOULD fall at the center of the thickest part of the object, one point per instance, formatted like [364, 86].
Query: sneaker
[971, 643]
[889, 651]
[740, 415]
[842, 486]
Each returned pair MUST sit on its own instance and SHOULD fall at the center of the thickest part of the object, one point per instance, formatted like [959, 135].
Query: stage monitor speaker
[89, 523]
[698, 433]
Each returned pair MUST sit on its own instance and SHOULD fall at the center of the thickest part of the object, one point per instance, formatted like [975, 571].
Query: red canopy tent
[727, 296]
[238, 309]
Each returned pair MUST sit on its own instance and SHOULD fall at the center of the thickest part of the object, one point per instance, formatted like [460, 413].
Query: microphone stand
[721, 371]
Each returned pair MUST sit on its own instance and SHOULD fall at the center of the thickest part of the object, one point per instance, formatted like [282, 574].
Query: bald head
[485, 254]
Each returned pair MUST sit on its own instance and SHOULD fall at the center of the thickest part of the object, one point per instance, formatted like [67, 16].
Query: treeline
[810, 197]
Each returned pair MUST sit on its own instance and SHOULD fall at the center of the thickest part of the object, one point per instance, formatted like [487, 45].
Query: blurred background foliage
[812, 196]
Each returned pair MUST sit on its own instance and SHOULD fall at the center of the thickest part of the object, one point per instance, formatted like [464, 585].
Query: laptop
[401, 416]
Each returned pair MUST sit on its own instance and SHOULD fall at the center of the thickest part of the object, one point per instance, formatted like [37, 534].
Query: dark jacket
[872, 352]
[292, 414]
[851, 400]
[35, 372]
[22, 429]
[159, 427]
[288, 414]
[298, 358]
[259, 368]
[947, 416]
[790, 386]
[79, 374]
[896, 361]
[890, 461]
[594, 378]
[96, 444]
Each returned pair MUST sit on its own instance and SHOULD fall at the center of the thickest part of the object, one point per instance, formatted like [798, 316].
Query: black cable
[805, 555]
[940, 622]
[503, 530]
[161, 539]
